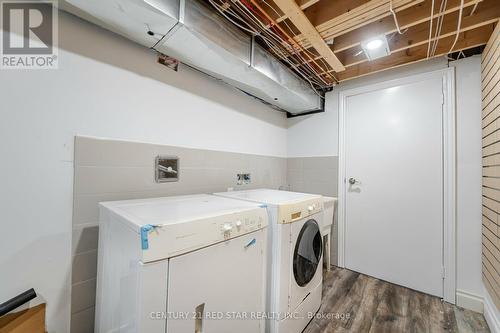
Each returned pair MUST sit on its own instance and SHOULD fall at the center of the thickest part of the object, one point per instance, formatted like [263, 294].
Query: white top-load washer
[295, 246]
[181, 265]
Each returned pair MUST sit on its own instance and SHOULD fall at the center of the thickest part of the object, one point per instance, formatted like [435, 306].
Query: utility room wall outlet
[243, 179]
[166, 169]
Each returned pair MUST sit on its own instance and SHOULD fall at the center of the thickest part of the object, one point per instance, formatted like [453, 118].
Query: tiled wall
[318, 175]
[313, 174]
[490, 74]
[116, 170]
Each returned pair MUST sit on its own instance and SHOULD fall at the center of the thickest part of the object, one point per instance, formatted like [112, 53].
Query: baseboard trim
[470, 301]
[491, 313]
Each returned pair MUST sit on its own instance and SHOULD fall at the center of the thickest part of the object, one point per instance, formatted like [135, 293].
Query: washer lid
[292, 206]
[268, 196]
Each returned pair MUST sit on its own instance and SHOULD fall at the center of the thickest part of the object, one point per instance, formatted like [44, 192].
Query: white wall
[469, 179]
[317, 135]
[105, 86]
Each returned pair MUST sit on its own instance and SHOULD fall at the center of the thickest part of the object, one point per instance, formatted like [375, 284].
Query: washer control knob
[238, 223]
[227, 227]
[310, 208]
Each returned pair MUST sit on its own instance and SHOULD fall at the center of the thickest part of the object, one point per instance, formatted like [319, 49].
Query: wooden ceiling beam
[325, 10]
[486, 13]
[348, 45]
[278, 15]
[367, 13]
[407, 18]
[296, 47]
[468, 39]
[303, 4]
[301, 22]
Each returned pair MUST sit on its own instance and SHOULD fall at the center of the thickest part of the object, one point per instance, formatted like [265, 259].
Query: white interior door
[393, 145]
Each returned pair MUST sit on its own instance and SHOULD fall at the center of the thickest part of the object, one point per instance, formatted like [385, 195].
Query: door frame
[449, 170]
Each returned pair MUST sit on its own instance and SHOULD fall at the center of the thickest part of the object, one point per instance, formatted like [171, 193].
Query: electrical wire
[269, 42]
[295, 35]
[430, 31]
[302, 60]
[474, 9]
[396, 19]
[276, 37]
[250, 15]
[439, 26]
[459, 25]
[293, 50]
[221, 11]
[274, 40]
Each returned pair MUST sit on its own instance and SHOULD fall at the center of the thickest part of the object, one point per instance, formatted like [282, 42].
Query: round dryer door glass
[307, 254]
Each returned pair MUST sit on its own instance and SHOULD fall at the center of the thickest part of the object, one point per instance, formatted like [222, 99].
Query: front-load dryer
[181, 265]
[295, 274]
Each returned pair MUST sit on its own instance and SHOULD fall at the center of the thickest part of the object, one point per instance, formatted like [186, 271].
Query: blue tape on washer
[263, 206]
[252, 242]
[145, 229]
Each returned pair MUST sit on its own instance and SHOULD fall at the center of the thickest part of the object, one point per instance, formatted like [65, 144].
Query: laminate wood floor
[353, 302]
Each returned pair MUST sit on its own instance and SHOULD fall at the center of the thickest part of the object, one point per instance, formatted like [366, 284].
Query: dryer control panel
[240, 226]
[166, 241]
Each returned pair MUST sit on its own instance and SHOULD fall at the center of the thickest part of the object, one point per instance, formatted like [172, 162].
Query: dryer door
[220, 288]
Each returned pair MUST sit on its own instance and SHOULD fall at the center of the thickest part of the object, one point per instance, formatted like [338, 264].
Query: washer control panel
[292, 212]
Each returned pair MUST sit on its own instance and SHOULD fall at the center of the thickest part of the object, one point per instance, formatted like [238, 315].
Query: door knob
[353, 181]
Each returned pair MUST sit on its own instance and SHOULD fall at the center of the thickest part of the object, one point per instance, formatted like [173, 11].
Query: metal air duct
[199, 37]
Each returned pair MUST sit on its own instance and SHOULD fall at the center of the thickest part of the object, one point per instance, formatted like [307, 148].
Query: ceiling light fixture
[374, 44]
[376, 47]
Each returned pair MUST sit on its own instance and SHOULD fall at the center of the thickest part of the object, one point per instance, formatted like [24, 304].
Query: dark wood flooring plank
[364, 312]
[336, 286]
[392, 311]
[469, 321]
[449, 319]
[377, 306]
[361, 306]
[427, 314]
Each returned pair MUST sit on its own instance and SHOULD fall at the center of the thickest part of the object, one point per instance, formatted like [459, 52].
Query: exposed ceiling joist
[303, 4]
[406, 18]
[309, 26]
[418, 32]
[301, 22]
[468, 39]
[358, 17]
[486, 13]
[326, 78]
